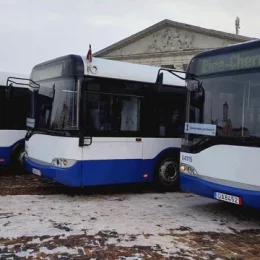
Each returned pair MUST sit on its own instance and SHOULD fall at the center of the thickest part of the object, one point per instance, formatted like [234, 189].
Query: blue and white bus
[105, 122]
[221, 148]
[13, 113]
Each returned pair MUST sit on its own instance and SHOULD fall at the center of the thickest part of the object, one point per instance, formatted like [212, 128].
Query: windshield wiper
[249, 138]
[204, 140]
[59, 132]
[52, 131]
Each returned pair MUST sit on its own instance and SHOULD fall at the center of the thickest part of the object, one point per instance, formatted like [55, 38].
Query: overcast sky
[34, 31]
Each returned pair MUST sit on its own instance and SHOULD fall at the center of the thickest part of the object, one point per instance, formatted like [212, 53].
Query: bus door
[112, 149]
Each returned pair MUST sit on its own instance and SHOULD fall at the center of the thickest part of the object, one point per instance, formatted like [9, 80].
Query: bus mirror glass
[197, 94]
[8, 91]
[159, 80]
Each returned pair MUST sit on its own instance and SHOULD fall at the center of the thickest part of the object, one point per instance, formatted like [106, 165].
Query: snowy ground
[126, 220]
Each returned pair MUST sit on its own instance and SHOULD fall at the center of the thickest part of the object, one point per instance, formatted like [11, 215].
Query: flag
[89, 55]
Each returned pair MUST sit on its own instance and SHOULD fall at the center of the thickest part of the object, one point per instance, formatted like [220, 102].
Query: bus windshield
[56, 104]
[229, 108]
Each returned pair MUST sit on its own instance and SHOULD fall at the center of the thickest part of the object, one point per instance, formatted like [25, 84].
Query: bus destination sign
[47, 72]
[238, 60]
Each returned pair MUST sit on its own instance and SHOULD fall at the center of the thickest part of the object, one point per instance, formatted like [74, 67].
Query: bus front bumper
[208, 189]
[70, 176]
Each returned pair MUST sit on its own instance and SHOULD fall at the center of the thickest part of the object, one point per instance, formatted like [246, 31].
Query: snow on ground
[134, 213]
[147, 216]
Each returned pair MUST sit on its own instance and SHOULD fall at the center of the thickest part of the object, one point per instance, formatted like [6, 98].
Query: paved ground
[18, 184]
[201, 245]
[118, 224]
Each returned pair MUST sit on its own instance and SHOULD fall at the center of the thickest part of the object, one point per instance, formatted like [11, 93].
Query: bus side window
[130, 115]
[113, 113]
[92, 119]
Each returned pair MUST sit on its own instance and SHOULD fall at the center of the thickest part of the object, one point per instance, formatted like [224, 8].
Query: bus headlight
[188, 169]
[63, 163]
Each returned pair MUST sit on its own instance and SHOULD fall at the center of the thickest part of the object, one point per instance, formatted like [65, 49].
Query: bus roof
[129, 71]
[230, 48]
[100, 67]
[4, 75]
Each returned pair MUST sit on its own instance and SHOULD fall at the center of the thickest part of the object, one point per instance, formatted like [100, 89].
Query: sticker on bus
[36, 171]
[200, 129]
[228, 198]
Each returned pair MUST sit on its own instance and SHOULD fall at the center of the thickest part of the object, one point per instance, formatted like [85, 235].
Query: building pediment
[169, 36]
[170, 39]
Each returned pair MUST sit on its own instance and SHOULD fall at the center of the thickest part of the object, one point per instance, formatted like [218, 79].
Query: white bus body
[220, 151]
[112, 134]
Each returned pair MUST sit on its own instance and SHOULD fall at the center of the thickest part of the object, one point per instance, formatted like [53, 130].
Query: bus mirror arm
[35, 86]
[159, 79]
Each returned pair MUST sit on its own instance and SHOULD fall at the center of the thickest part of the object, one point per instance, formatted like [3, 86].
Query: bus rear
[14, 110]
[221, 148]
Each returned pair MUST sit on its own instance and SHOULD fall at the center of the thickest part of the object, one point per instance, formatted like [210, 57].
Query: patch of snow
[31, 253]
[61, 249]
[39, 241]
[126, 214]
[28, 253]
[168, 245]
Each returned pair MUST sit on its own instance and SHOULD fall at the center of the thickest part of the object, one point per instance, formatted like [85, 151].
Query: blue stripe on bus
[99, 172]
[207, 189]
[117, 171]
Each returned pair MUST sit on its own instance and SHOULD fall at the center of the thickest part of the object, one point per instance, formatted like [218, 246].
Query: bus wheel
[17, 159]
[166, 176]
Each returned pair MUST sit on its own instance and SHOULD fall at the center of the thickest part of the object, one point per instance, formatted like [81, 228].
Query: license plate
[228, 198]
[36, 171]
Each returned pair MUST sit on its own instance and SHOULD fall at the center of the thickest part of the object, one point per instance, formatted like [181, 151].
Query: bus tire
[166, 174]
[17, 159]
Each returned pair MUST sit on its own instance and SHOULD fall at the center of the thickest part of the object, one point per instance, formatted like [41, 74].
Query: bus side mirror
[8, 91]
[159, 80]
[198, 94]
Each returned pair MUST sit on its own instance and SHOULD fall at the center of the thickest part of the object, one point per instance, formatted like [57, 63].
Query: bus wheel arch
[17, 157]
[166, 171]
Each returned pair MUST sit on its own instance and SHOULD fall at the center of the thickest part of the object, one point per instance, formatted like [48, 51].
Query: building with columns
[168, 44]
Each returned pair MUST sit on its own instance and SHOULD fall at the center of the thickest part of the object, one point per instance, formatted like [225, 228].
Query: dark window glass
[171, 116]
[13, 112]
[2, 106]
[232, 103]
[125, 108]
[57, 109]
[114, 113]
